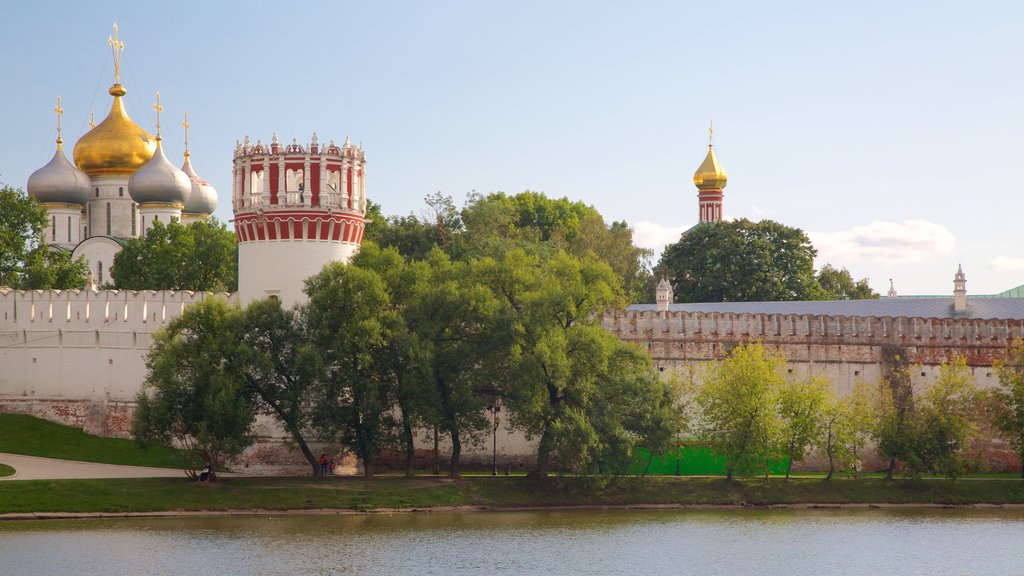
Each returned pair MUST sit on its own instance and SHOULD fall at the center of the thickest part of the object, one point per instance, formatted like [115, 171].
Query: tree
[26, 262]
[739, 408]
[893, 433]
[349, 319]
[801, 407]
[1010, 396]
[201, 256]
[279, 372]
[399, 355]
[450, 317]
[848, 423]
[944, 423]
[838, 284]
[741, 261]
[193, 398]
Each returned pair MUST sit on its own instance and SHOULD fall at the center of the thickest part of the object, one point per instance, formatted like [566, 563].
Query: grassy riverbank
[21, 434]
[301, 493]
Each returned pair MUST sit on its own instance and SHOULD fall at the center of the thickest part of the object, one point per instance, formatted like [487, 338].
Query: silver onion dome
[203, 198]
[59, 182]
[159, 182]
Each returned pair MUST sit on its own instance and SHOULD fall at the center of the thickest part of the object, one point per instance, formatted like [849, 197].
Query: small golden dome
[117, 146]
[710, 175]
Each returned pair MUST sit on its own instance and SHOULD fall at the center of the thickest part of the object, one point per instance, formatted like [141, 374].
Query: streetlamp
[494, 408]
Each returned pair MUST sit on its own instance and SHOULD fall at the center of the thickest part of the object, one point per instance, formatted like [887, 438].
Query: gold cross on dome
[186, 125]
[92, 119]
[118, 47]
[711, 133]
[158, 109]
[60, 112]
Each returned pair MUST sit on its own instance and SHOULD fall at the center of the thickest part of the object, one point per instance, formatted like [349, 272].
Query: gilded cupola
[117, 146]
[710, 175]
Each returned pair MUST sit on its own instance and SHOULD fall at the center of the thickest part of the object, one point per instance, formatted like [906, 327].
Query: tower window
[69, 229]
[133, 219]
[99, 268]
[120, 192]
[108, 218]
[53, 228]
[97, 192]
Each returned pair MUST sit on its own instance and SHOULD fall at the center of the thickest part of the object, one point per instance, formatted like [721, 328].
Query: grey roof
[1000, 308]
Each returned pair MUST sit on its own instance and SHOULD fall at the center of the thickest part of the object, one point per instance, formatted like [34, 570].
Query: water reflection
[578, 542]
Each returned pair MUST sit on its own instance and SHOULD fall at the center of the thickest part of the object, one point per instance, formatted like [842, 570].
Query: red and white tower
[710, 179]
[296, 209]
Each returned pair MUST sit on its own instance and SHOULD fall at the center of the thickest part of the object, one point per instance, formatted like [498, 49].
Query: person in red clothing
[323, 464]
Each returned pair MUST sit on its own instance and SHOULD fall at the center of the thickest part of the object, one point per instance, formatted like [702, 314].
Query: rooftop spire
[117, 46]
[92, 119]
[186, 126]
[158, 109]
[60, 112]
[711, 134]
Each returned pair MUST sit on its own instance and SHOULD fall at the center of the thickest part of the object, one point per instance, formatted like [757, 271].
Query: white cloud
[1007, 264]
[885, 243]
[656, 236]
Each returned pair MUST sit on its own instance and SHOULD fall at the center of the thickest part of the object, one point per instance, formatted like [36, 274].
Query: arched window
[99, 268]
[53, 228]
[97, 192]
[69, 229]
[108, 218]
[133, 219]
[120, 192]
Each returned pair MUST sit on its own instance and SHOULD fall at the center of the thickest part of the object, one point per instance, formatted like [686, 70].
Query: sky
[891, 132]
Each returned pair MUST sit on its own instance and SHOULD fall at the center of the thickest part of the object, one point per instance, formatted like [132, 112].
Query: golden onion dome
[710, 175]
[117, 146]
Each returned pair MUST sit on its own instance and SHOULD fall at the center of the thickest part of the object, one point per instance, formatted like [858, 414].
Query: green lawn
[21, 434]
[6, 470]
[158, 494]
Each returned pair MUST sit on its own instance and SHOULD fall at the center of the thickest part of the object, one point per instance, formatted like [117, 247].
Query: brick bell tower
[710, 179]
[296, 209]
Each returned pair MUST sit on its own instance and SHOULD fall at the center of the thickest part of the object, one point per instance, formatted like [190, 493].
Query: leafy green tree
[569, 382]
[193, 398]
[847, 423]
[279, 370]
[741, 261]
[26, 262]
[450, 321]
[1010, 396]
[399, 355]
[894, 429]
[349, 319]
[201, 256]
[802, 404]
[944, 422]
[838, 284]
[739, 408]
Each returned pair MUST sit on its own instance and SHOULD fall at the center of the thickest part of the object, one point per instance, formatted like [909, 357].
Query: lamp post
[494, 408]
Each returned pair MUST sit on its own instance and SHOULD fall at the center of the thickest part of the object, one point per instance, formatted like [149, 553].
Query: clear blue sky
[891, 132]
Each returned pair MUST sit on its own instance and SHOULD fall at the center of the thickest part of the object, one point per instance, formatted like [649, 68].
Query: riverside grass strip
[353, 494]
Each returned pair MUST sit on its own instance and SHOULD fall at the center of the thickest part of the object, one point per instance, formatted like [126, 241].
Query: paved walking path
[35, 468]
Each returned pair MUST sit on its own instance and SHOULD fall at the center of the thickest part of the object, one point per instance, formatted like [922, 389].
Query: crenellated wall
[78, 356]
[846, 349]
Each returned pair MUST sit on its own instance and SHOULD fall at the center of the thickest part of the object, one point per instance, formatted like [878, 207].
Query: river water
[761, 542]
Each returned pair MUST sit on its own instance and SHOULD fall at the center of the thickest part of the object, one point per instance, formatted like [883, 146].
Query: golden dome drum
[710, 175]
[117, 146]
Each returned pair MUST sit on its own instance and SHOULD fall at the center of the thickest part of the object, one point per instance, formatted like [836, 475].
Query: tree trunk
[454, 471]
[892, 467]
[367, 469]
[410, 450]
[544, 449]
[789, 466]
[650, 458]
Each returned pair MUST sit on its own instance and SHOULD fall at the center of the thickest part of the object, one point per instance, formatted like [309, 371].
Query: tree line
[754, 413]
[386, 346]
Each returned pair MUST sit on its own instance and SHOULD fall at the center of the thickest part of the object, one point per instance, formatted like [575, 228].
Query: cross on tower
[186, 125]
[118, 47]
[158, 109]
[60, 112]
[92, 119]
[711, 133]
